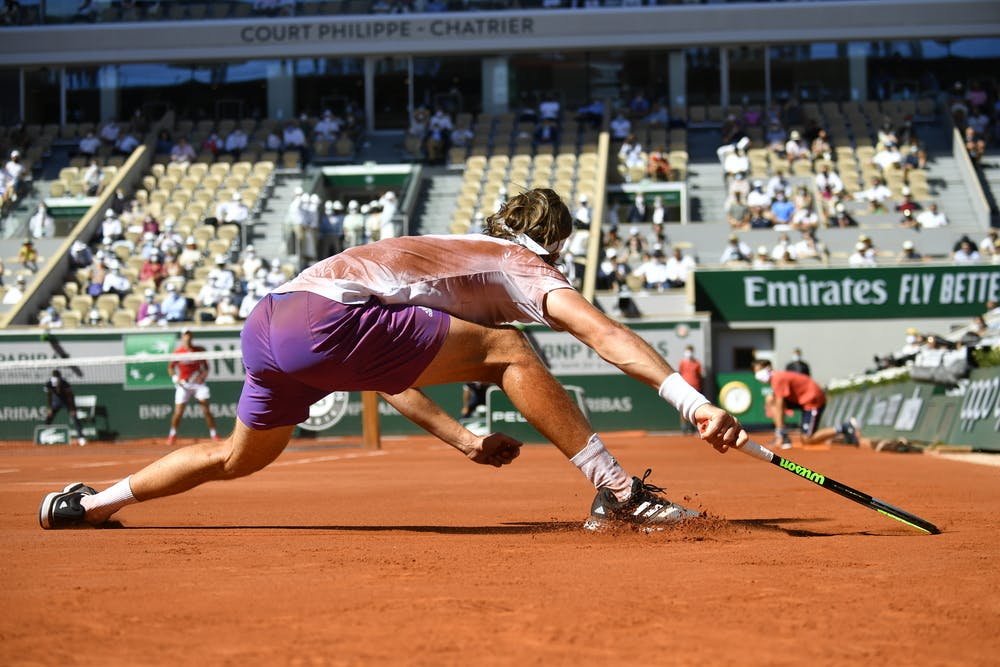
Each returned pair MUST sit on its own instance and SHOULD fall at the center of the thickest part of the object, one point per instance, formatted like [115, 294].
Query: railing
[970, 178]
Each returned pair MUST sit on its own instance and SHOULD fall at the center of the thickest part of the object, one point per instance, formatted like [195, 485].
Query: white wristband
[678, 393]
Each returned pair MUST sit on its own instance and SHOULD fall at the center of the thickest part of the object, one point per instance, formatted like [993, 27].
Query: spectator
[611, 273]
[109, 133]
[828, 181]
[89, 145]
[620, 127]
[127, 143]
[653, 271]
[876, 196]
[808, 247]
[908, 220]
[966, 253]
[226, 311]
[637, 211]
[735, 162]
[16, 292]
[583, 212]
[50, 318]
[659, 165]
[797, 365]
[276, 275]
[331, 231]
[42, 225]
[762, 259]
[735, 251]
[328, 127]
[293, 138]
[182, 152]
[235, 142]
[153, 269]
[975, 144]
[795, 147]
[776, 183]
[92, 178]
[888, 157]
[212, 144]
[111, 227]
[115, 282]
[760, 218]
[783, 248]
[164, 144]
[989, 242]
[907, 203]
[757, 198]
[547, 133]
[549, 108]
[80, 256]
[914, 155]
[781, 210]
[174, 305]
[148, 299]
[679, 267]
[232, 212]
[861, 257]
[842, 218]
[439, 129]
[28, 256]
[151, 316]
[909, 253]
[820, 147]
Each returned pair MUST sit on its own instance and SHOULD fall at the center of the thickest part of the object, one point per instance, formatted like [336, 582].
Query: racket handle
[757, 451]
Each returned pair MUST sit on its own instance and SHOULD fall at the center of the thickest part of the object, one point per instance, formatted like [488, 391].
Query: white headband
[525, 241]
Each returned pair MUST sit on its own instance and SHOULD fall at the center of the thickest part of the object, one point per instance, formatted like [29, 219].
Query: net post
[370, 431]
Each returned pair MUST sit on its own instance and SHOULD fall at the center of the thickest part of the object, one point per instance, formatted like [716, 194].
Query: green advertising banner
[849, 293]
[148, 375]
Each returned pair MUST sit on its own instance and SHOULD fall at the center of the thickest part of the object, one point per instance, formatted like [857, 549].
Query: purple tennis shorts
[299, 346]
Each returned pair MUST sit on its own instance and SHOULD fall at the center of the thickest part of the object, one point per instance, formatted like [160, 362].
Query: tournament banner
[847, 293]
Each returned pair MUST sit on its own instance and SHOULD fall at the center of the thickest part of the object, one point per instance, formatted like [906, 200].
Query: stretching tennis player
[404, 313]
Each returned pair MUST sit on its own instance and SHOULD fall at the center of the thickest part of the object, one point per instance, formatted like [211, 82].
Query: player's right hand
[176, 379]
[495, 449]
[719, 428]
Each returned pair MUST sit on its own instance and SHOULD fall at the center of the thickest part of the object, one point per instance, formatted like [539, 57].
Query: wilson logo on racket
[802, 471]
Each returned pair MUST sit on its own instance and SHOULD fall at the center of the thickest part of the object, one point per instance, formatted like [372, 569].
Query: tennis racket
[882, 507]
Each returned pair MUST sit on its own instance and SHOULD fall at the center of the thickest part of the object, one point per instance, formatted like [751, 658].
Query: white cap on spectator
[908, 245]
[220, 259]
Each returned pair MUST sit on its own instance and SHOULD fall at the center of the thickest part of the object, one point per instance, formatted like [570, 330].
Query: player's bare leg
[244, 452]
[503, 356]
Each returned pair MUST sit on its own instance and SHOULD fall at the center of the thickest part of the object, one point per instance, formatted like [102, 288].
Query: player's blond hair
[540, 214]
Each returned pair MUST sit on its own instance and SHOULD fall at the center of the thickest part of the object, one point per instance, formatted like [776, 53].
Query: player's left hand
[495, 449]
[719, 428]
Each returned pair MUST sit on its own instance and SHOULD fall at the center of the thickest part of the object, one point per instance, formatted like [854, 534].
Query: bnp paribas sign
[824, 294]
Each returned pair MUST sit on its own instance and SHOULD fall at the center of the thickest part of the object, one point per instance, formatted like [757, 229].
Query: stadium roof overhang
[500, 32]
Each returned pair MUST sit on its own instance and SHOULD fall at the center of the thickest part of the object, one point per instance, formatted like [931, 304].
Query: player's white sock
[596, 462]
[173, 432]
[212, 433]
[102, 505]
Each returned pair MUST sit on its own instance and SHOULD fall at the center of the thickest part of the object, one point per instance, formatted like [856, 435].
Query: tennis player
[404, 313]
[189, 377]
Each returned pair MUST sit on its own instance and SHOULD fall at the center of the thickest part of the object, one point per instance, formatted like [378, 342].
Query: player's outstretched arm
[619, 345]
[495, 449]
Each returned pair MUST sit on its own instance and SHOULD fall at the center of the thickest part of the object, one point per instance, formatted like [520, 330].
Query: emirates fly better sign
[870, 293]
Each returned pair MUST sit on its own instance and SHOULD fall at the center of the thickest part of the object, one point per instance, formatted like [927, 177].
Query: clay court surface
[336, 555]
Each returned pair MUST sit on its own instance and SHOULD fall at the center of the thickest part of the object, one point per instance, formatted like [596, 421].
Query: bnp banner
[849, 293]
